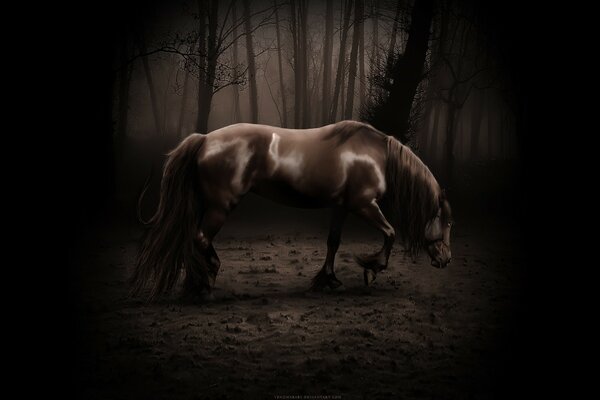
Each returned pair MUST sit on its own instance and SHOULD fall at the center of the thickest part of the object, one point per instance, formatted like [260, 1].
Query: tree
[182, 108]
[141, 44]
[279, 63]
[253, 93]
[455, 94]
[392, 48]
[237, 113]
[204, 76]
[437, 116]
[339, 76]
[294, 29]
[458, 74]
[476, 119]
[361, 63]
[391, 111]
[212, 37]
[298, 28]
[327, 50]
[358, 16]
[374, 61]
[303, 46]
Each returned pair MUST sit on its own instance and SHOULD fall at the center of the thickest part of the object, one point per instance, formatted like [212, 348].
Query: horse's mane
[344, 130]
[413, 194]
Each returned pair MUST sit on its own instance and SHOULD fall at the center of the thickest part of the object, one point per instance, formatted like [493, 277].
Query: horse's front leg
[201, 272]
[326, 276]
[374, 263]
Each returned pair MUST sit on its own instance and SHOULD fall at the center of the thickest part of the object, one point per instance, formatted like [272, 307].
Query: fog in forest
[188, 66]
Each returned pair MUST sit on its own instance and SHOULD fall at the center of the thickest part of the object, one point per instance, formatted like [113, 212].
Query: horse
[348, 166]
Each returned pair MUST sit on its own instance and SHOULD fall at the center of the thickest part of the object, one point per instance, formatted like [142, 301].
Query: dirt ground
[418, 332]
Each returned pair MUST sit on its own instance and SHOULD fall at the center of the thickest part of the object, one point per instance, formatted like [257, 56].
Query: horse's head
[437, 235]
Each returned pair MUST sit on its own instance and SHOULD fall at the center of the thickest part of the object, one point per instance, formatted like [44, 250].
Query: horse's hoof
[369, 277]
[340, 288]
[333, 282]
[369, 263]
[207, 297]
[322, 281]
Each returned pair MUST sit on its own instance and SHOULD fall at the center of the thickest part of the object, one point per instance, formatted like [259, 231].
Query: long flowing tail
[168, 244]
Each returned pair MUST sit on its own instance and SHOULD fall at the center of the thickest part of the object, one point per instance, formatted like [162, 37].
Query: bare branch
[239, 24]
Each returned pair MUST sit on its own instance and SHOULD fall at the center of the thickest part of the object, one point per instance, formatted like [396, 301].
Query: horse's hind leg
[201, 276]
[326, 276]
[377, 261]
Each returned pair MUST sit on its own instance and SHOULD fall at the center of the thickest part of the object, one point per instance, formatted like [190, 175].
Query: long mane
[412, 195]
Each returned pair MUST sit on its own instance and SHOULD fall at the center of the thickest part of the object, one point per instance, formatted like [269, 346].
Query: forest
[436, 75]
[452, 79]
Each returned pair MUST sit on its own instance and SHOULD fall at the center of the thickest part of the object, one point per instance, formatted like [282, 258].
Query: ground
[418, 332]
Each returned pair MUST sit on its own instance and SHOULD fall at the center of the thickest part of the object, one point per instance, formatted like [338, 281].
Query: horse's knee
[390, 235]
[202, 241]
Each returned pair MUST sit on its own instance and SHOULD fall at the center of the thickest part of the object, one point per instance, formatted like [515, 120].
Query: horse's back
[320, 164]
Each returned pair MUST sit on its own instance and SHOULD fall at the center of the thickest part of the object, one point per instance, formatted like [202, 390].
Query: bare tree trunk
[361, 64]
[253, 92]
[391, 49]
[424, 136]
[208, 60]
[314, 95]
[339, 76]
[450, 141]
[294, 26]
[358, 15]
[150, 81]
[433, 142]
[203, 106]
[374, 62]
[303, 13]
[405, 75]
[327, 50]
[237, 113]
[476, 119]
[182, 110]
[279, 63]
[172, 69]
[343, 92]
[124, 81]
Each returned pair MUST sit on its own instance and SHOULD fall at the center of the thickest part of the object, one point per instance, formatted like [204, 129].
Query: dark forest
[451, 79]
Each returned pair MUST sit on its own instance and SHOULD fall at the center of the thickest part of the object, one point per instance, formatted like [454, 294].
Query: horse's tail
[169, 240]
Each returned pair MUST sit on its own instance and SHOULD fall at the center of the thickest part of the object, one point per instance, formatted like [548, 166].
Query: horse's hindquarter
[231, 161]
[303, 168]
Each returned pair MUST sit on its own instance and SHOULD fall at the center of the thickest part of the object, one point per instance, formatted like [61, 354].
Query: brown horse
[347, 166]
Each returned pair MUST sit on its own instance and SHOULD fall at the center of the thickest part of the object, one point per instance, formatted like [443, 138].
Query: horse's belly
[283, 193]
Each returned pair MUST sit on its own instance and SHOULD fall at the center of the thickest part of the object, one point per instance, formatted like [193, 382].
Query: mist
[167, 85]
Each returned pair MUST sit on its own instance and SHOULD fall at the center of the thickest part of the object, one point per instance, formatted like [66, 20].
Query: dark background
[94, 170]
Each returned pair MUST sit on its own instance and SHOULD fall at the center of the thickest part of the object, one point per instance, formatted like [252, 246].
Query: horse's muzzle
[439, 264]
